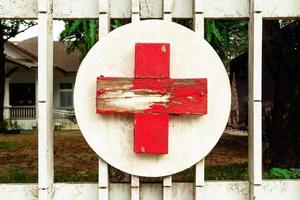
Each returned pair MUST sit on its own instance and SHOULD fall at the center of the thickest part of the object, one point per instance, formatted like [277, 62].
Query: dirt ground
[73, 155]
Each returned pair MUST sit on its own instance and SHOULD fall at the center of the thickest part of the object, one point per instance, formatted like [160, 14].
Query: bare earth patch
[73, 156]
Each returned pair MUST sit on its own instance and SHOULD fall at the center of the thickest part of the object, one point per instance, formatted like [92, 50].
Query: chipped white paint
[111, 136]
[133, 101]
[233, 190]
[68, 9]
[45, 101]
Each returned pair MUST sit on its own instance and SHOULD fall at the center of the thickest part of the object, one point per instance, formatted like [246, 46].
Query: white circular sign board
[191, 137]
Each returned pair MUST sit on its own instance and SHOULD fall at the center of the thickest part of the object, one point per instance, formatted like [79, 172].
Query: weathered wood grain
[174, 96]
[152, 60]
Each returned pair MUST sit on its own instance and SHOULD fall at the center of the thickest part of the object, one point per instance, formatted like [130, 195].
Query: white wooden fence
[47, 10]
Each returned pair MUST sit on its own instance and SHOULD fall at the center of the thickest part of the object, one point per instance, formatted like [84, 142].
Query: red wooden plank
[173, 96]
[151, 61]
[151, 133]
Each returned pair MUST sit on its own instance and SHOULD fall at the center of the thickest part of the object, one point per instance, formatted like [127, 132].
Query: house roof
[19, 56]
[68, 63]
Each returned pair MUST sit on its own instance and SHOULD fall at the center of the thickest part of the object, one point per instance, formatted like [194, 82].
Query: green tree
[80, 35]
[228, 37]
[83, 34]
[8, 29]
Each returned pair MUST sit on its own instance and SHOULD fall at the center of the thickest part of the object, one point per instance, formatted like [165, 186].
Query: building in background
[20, 102]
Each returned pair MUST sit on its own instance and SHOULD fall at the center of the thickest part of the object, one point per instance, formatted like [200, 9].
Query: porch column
[6, 113]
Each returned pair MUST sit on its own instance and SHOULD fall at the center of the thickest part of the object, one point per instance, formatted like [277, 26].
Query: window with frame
[66, 95]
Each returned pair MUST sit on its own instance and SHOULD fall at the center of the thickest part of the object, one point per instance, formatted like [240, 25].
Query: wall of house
[60, 77]
[23, 75]
[29, 76]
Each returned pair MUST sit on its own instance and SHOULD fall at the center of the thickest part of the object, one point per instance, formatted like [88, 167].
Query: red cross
[151, 96]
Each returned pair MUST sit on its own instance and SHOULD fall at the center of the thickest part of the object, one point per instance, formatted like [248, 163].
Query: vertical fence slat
[103, 184]
[167, 181]
[135, 10]
[198, 15]
[45, 100]
[167, 8]
[199, 180]
[135, 180]
[167, 188]
[104, 17]
[254, 101]
[135, 187]
[198, 23]
[104, 28]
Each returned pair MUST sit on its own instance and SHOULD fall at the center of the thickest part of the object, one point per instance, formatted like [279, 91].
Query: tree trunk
[2, 71]
[281, 55]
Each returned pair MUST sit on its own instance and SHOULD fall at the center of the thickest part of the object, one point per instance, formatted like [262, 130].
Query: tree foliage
[228, 37]
[82, 34]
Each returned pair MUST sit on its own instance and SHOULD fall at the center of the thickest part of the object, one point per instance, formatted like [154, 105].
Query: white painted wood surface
[255, 89]
[167, 9]
[254, 98]
[111, 136]
[198, 15]
[135, 188]
[167, 188]
[104, 17]
[200, 166]
[231, 190]
[103, 172]
[66, 9]
[103, 182]
[45, 101]
[135, 10]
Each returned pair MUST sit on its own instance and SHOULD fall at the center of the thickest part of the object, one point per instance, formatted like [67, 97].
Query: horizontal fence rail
[68, 9]
[222, 190]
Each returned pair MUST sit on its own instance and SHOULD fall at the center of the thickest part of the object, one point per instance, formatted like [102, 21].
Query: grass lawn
[74, 161]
